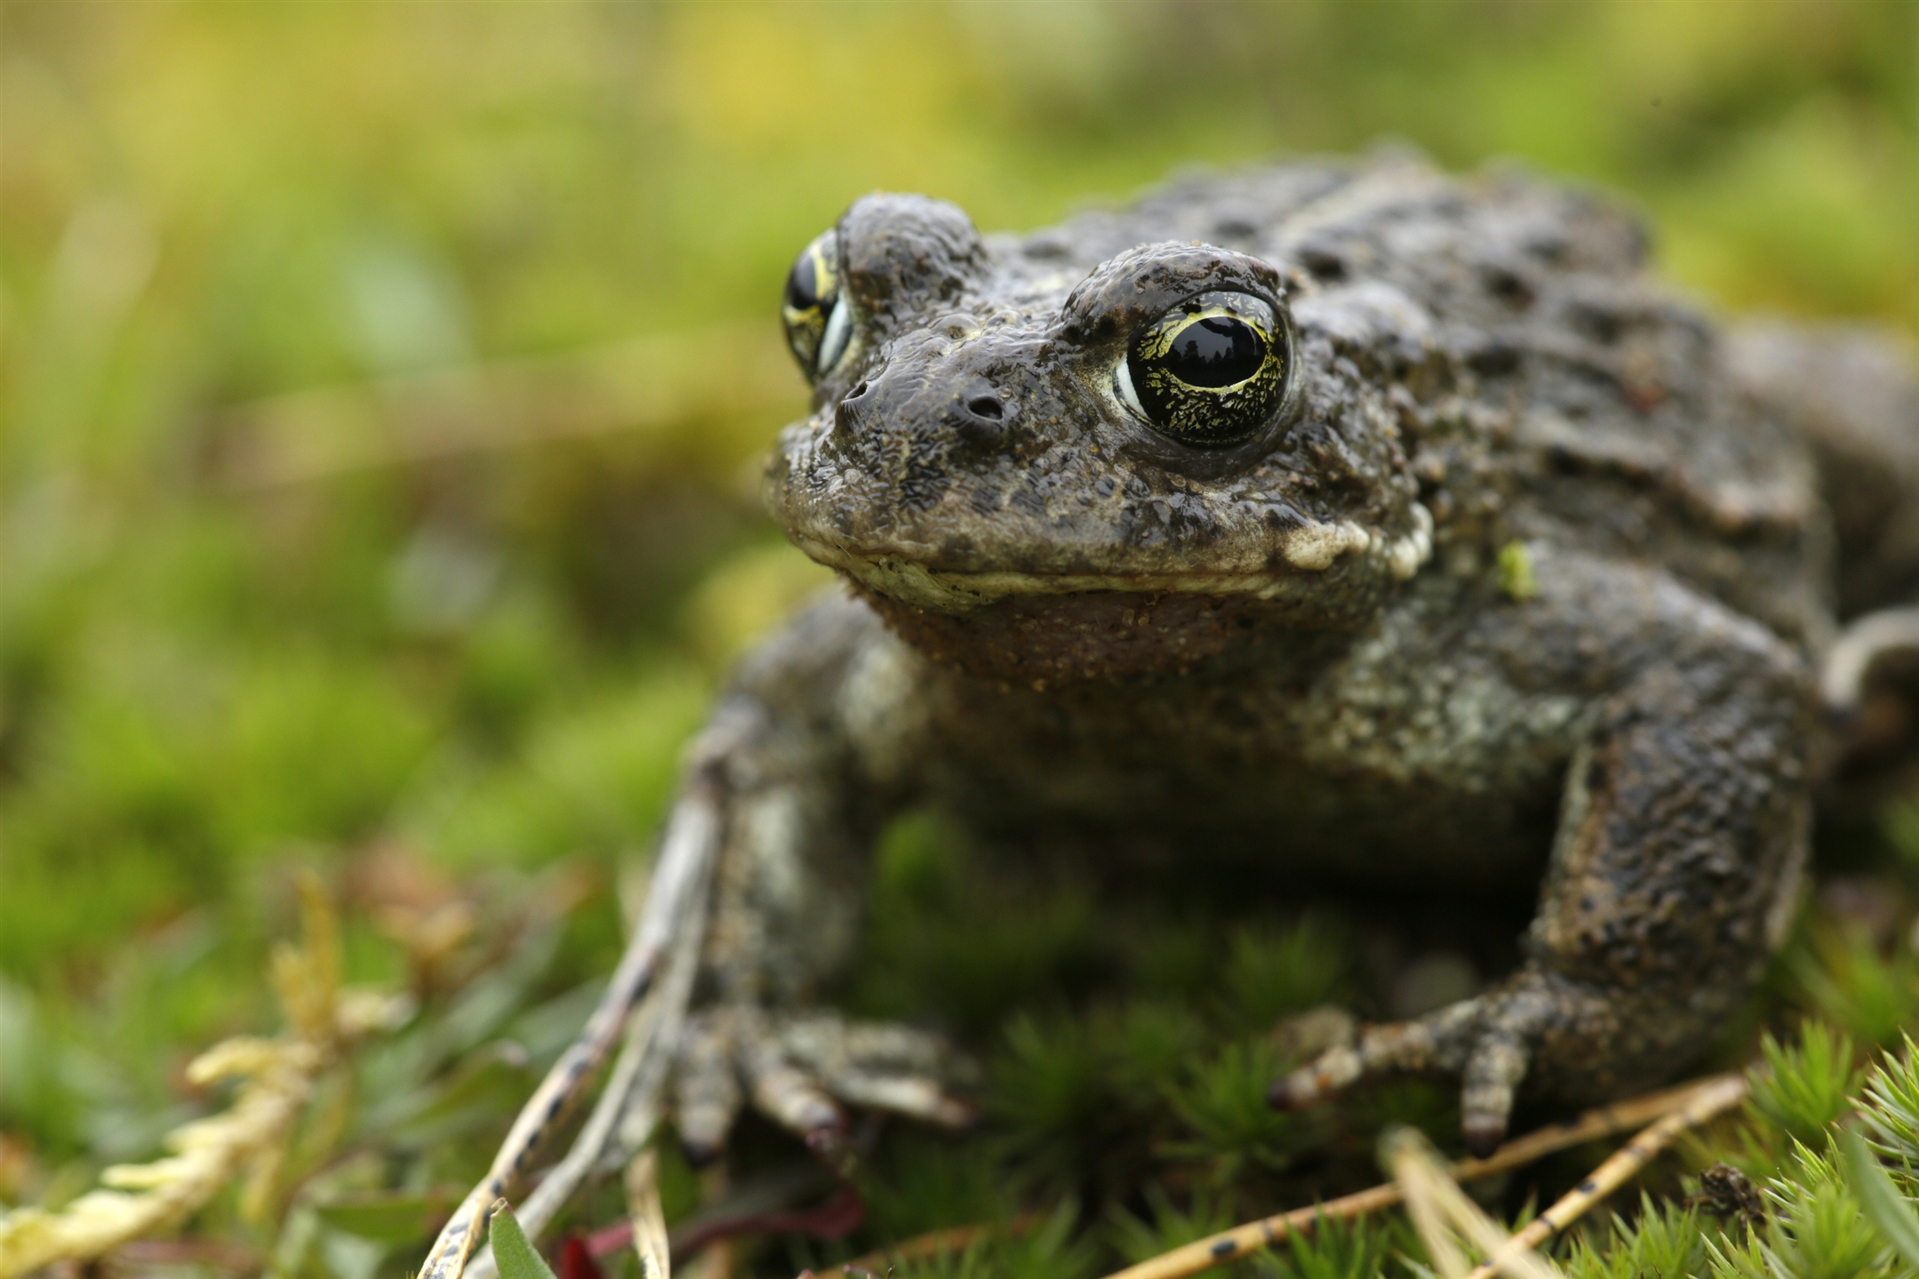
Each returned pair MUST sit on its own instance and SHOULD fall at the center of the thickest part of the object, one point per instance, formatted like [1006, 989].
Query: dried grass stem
[1681, 1104]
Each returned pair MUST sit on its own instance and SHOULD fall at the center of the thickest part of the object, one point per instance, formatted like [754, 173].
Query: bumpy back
[1545, 385]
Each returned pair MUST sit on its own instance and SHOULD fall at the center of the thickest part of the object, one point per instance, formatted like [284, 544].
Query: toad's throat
[1057, 639]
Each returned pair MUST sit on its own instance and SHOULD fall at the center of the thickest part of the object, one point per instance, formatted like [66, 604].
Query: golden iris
[1212, 370]
[812, 293]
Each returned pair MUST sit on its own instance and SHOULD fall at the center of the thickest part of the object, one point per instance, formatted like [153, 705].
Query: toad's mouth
[914, 584]
[1032, 626]
[1304, 558]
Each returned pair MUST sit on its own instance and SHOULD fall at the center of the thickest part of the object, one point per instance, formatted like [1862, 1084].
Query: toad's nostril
[986, 406]
[855, 393]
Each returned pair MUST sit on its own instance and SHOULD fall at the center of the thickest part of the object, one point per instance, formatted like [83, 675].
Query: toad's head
[1041, 468]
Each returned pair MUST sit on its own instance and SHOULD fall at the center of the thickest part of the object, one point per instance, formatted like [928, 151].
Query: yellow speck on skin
[1516, 572]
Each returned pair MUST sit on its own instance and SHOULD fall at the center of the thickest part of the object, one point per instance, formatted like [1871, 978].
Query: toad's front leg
[1682, 833]
[789, 756]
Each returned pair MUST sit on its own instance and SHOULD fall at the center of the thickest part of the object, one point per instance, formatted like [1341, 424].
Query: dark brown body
[1528, 572]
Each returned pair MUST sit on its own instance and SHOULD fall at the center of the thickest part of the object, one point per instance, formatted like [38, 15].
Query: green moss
[1664, 1239]
[1805, 1087]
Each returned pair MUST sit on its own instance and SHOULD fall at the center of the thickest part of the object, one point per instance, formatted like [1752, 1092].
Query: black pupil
[1215, 351]
[802, 287]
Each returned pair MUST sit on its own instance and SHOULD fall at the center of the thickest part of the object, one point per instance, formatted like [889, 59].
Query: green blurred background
[383, 383]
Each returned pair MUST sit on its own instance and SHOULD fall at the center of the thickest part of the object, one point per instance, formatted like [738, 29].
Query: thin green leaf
[1884, 1206]
[511, 1251]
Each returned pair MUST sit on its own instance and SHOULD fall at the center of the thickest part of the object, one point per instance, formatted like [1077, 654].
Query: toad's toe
[797, 1069]
[1489, 1041]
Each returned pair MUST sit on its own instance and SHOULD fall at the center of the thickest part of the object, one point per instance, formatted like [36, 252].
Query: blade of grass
[1443, 1214]
[649, 1220]
[677, 895]
[1241, 1240]
[628, 1108]
[1713, 1097]
[511, 1249]
[1879, 1198]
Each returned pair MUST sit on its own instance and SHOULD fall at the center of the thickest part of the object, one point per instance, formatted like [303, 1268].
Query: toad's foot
[1490, 1041]
[797, 1067]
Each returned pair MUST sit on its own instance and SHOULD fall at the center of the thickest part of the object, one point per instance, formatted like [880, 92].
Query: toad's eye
[1210, 371]
[817, 320]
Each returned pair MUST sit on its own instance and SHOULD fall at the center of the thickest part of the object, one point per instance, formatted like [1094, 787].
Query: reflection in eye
[1215, 351]
[839, 327]
[1210, 371]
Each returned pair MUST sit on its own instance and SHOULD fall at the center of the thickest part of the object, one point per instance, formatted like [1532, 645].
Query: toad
[1347, 515]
